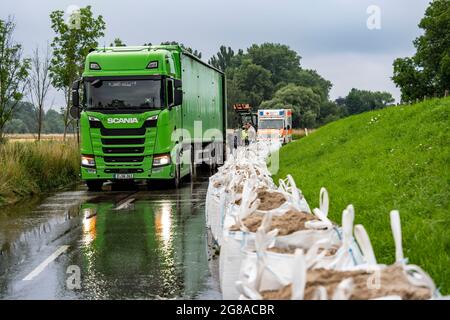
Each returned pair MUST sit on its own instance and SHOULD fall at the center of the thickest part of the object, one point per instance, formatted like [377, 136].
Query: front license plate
[123, 176]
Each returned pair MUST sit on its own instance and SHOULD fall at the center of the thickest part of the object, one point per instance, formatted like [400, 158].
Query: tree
[13, 73]
[311, 79]
[427, 73]
[282, 62]
[304, 102]
[329, 112]
[54, 122]
[16, 126]
[358, 101]
[71, 45]
[39, 83]
[26, 113]
[117, 43]
[196, 53]
[223, 59]
[253, 82]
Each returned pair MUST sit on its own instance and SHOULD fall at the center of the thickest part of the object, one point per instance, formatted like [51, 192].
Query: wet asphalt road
[122, 243]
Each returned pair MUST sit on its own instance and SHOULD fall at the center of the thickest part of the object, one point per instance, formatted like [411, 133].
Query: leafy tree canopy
[304, 102]
[358, 101]
[427, 73]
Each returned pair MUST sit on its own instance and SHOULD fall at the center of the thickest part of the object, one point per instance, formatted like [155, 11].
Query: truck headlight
[152, 118]
[88, 161]
[91, 118]
[94, 66]
[161, 160]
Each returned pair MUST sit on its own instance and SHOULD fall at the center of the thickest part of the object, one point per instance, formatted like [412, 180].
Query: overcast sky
[331, 36]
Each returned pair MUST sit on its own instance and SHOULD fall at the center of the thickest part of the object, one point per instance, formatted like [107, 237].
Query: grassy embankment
[396, 158]
[29, 168]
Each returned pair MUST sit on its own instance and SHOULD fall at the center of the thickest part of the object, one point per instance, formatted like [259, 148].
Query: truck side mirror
[178, 97]
[76, 93]
[178, 92]
[75, 110]
[170, 93]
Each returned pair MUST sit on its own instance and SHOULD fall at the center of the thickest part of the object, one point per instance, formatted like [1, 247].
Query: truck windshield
[123, 94]
[271, 124]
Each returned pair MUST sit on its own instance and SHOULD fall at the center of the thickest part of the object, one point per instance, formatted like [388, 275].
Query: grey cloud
[322, 31]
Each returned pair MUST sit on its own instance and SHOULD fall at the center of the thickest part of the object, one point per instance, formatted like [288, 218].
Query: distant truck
[134, 102]
[275, 124]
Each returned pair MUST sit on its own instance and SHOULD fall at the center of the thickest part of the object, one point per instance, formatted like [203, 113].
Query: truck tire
[94, 185]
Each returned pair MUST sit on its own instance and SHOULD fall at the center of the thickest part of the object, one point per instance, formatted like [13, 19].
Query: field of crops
[32, 137]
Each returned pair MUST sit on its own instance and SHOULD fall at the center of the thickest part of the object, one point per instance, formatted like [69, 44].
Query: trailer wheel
[94, 185]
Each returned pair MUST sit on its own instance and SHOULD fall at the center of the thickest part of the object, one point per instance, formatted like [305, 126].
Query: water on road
[122, 243]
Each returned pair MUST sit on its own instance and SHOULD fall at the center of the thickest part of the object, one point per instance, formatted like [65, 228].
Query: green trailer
[148, 113]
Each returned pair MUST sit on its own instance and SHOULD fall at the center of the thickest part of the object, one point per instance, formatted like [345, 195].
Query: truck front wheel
[94, 185]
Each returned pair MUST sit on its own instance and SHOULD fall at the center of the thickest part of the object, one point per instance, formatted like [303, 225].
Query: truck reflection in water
[155, 248]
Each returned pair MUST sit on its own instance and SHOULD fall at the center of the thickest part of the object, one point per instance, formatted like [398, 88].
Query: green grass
[29, 168]
[395, 158]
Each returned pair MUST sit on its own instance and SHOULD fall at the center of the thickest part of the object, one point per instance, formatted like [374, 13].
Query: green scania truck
[146, 113]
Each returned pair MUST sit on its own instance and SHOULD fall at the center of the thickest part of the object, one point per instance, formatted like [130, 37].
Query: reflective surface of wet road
[124, 243]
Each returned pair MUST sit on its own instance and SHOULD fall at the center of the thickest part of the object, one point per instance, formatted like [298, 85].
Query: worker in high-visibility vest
[244, 135]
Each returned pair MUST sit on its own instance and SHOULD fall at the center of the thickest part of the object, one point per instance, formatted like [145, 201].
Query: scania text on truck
[143, 111]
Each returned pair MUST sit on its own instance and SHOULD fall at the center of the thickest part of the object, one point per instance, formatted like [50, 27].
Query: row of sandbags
[273, 246]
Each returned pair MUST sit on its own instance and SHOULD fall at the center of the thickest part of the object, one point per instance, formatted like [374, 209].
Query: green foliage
[304, 102]
[14, 71]
[427, 73]
[34, 167]
[16, 126]
[395, 158]
[53, 122]
[223, 59]
[358, 101]
[71, 45]
[24, 120]
[329, 112]
[311, 79]
[282, 62]
[270, 76]
[252, 81]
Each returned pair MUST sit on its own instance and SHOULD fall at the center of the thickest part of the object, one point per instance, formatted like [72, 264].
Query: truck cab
[129, 105]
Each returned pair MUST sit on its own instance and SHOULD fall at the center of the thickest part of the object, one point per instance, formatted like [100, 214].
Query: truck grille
[125, 141]
[123, 170]
[123, 132]
[123, 150]
[123, 159]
